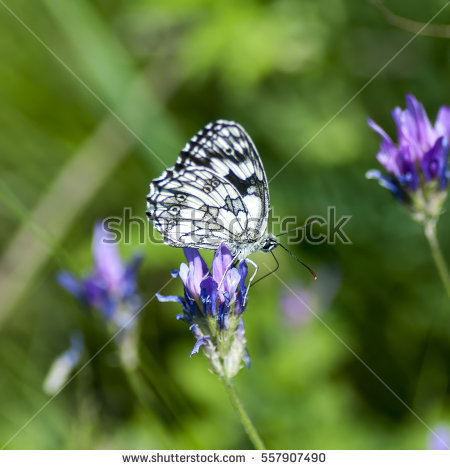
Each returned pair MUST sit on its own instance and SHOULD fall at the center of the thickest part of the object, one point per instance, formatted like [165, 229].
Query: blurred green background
[90, 91]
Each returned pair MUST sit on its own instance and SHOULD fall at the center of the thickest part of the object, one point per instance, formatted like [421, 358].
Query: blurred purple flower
[439, 439]
[419, 161]
[300, 302]
[296, 312]
[64, 364]
[111, 287]
[212, 306]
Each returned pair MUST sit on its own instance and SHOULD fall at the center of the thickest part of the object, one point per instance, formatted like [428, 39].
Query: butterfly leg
[227, 269]
[249, 261]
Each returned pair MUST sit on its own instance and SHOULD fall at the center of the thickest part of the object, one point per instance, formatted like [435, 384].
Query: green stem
[430, 233]
[243, 416]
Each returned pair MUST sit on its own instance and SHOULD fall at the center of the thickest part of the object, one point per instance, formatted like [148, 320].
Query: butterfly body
[216, 192]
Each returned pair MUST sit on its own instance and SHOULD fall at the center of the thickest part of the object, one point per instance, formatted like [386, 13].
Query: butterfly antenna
[300, 261]
[269, 273]
[296, 228]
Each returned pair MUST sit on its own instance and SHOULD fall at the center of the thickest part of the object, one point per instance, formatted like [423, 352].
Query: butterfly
[216, 192]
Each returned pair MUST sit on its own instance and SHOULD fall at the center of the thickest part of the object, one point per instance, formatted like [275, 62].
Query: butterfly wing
[217, 191]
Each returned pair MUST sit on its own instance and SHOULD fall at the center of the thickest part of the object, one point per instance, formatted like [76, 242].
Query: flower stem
[243, 416]
[430, 233]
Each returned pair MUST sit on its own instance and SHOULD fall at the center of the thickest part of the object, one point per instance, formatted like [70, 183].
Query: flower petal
[64, 364]
[203, 341]
[434, 161]
[407, 133]
[408, 176]
[223, 312]
[221, 262]
[208, 288]
[425, 133]
[240, 333]
[445, 178]
[108, 264]
[388, 151]
[196, 331]
[233, 280]
[379, 130]
[96, 294]
[184, 273]
[169, 298]
[197, 271]
[129, 278]
[389, 183]
[246, 357]
[70, 283]
[442, 124]
[243, 271]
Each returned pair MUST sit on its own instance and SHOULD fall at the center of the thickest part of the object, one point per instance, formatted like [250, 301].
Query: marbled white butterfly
[216, 192]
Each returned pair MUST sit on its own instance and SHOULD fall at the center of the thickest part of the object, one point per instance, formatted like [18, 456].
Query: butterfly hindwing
[217, 191]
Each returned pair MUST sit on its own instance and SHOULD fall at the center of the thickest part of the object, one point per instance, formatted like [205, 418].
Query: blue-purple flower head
[111, 286]
[439, 438]
[212, 305]
[418, 163]
[300, 302]
[64, 364]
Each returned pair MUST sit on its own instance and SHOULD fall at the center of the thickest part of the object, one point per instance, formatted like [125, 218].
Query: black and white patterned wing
[217, 191]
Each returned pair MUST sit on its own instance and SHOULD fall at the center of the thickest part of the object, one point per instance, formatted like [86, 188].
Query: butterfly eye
[269, 245]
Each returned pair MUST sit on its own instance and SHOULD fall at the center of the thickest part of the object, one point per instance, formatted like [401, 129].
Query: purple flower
[296, 306]
[212, 305]
[64, 364]
[111, 286]
[299, 302]
[418, 163]
[439, 439]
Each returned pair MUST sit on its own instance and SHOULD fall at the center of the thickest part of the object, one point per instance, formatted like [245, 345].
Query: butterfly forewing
[216, 192]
